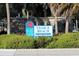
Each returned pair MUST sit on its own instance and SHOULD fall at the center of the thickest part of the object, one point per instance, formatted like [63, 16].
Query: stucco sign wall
[29, 29]
[36, 31]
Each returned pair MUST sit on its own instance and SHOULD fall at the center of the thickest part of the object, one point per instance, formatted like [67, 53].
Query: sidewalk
[39, 52]
[7, 52]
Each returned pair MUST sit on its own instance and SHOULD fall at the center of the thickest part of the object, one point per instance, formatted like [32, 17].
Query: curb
[40, 52]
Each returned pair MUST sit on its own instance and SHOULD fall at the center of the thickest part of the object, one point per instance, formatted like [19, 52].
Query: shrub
[70, 40]
[16, 41]
[42, 42]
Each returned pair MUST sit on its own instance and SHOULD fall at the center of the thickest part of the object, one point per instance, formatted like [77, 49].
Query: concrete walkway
[7, 52]
[39, 52]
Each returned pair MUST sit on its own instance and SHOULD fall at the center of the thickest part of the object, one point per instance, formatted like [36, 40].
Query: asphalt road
[39, 52]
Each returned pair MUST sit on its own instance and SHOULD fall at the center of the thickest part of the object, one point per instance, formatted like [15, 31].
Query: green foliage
[42, 42]
[70, 40]
[16, 41]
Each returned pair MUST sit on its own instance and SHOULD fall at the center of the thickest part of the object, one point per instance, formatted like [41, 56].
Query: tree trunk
[76, 24]
[45, 20]
[8, 18]
[67, 26]
[36, 21]
[45, 23]
[27, 14]
[56, 26]
[23, 12]
[18, 14]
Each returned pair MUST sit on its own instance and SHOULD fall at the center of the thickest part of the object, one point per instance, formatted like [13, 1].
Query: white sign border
[44, 35]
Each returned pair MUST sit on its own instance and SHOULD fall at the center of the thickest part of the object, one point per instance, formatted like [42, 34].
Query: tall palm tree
[68, 13]
[63, 10]
[8, 18]
[56, 10]
[23, 11]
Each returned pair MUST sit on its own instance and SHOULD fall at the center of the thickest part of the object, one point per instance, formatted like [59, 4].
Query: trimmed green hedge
[69, 40]
[13, 41]
[42, 42]
[16, 41]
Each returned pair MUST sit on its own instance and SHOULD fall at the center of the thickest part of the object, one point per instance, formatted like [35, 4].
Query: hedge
[69, 40]
[42, 42]
[13, 41]
[16, 41]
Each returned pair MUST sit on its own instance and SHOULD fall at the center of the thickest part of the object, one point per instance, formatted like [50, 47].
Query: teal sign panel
[29, 29]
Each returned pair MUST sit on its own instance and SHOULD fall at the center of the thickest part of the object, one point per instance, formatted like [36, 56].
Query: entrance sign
[43, 30]
[29, 29]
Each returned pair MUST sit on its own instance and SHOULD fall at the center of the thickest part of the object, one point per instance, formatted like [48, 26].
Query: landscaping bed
[69, 40]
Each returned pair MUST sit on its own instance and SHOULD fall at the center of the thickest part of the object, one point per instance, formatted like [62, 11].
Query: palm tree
[68, 13]
[8, 18]
[56, 10]
[63, 10]
[24, 9]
